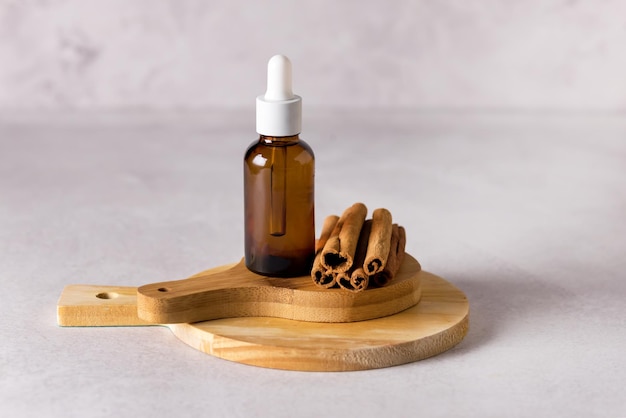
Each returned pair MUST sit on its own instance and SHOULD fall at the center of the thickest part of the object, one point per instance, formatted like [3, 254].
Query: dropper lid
[279, 111]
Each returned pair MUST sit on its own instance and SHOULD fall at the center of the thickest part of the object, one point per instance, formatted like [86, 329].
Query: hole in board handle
[107, 295]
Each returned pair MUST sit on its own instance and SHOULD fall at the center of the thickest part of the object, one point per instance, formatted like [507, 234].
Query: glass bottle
[279, 206]
[279, 174]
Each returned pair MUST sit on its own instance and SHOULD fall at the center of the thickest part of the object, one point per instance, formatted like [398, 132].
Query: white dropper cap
[279, 111]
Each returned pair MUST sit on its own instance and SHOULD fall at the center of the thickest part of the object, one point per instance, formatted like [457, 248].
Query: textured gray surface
[185, 54]
[525, 213]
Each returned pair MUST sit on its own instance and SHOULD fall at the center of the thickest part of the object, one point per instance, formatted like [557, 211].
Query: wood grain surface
[237, 292]
[436, 324]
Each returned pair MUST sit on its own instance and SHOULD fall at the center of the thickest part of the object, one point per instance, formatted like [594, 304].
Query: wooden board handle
[98, 306]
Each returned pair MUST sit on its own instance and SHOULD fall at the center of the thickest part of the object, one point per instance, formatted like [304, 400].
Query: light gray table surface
[526, 213]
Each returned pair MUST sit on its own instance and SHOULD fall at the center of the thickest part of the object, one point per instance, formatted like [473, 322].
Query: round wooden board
[436, 324]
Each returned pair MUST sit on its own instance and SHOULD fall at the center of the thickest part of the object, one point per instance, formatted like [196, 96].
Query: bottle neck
[279, 140]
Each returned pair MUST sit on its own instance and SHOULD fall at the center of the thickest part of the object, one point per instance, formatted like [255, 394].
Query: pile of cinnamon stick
[354, 253]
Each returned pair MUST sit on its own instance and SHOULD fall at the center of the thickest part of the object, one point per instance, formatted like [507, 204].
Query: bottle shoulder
[265, 149]
[307, 147]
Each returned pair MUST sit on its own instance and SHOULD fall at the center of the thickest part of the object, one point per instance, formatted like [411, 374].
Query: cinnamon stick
[396, 256]
[343, 280]
[379, 242]
[338, 252]
[327, 229]
[320, 274]
[355, 279]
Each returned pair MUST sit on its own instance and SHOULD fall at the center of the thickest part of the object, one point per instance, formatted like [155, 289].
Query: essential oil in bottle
[279, 173]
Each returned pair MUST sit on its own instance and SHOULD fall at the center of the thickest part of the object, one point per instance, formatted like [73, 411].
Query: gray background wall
[187, 54]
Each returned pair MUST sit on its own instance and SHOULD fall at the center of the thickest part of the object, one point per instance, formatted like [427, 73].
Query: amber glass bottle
[279, 172]
[279, 206]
